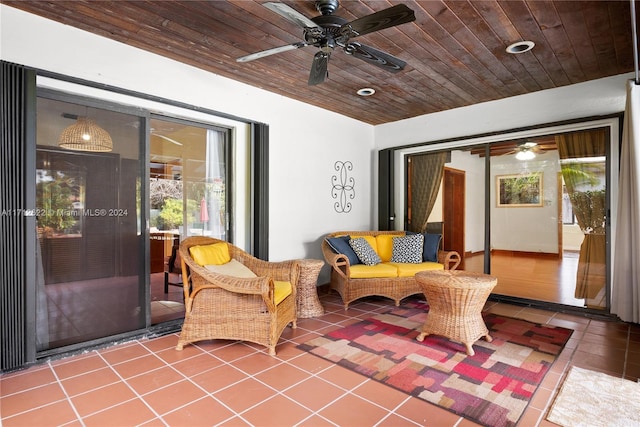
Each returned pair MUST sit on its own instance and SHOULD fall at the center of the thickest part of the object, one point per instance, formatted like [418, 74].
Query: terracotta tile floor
[148, 383]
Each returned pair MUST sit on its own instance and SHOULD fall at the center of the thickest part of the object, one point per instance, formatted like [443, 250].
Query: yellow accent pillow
[406, 269]
[361, 271]
[215, 253]
[281, 290]
[371, 240]
[384, 243]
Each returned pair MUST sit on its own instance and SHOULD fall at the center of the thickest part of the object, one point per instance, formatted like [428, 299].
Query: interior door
[453, 207]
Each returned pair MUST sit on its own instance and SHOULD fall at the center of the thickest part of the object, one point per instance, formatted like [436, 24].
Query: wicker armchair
[232, 308]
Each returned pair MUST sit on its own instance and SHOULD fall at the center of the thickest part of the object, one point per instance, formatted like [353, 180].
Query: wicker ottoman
[456, 299]
[307, 293]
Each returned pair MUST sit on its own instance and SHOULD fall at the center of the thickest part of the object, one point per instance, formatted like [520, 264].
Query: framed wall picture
[519, 190]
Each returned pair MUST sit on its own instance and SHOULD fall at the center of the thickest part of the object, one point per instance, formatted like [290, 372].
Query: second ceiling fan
[328, 31]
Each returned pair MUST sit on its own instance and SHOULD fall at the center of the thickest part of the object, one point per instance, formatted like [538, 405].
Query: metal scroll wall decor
[343, 187]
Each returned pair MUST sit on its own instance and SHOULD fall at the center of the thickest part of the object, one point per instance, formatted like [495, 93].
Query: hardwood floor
[536, 278]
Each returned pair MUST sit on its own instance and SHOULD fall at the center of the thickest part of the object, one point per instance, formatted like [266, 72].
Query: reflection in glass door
[90, 283]
[188, 197]
[548, 231]
[547, 200]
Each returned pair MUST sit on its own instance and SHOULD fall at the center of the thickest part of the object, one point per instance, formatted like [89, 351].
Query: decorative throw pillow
[233, 268]
[365, 252]
[340, 245]
[408, 249]
[215, 253]
[431, 246]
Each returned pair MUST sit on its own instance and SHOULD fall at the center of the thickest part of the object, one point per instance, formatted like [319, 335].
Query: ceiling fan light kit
[525, 155]
[526, 150]
[327, 32]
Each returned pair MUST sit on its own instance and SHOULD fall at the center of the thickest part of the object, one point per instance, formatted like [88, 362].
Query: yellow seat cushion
[281, 290]
[384, 243]
[213, 254]
[408, 269]
[361, 271]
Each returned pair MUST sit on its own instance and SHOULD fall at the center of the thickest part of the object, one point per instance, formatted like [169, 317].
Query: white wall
[305, 141]
[594, 98]
[527, 229]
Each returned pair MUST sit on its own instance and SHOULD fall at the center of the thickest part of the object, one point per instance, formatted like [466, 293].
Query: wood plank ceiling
[455, 50]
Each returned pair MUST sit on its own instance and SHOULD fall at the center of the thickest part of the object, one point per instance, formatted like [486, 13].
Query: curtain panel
[589, 208]
[425, 174]
[625, 292]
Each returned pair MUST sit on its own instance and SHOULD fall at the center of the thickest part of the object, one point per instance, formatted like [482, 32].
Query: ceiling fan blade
[319, 68]
[390, 17]
[291, 14]
[375, 57]
[271, 51]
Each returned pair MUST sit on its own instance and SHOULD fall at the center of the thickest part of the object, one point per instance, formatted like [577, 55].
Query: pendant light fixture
[85, 135]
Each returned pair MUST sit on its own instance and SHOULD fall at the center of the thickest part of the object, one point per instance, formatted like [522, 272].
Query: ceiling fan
[329, 31]
[526, 150]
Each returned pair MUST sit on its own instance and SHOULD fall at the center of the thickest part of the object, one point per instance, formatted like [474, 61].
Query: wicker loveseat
[254, 305]
[353, 282]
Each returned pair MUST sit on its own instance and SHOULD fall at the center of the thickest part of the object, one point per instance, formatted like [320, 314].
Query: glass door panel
[536, 219]
[188, 197]
[89, 279]
[548, 234]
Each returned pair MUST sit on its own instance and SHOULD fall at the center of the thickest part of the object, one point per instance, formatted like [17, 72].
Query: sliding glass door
[90, 281]
[531, 210]
[548, 222]
[188, 197]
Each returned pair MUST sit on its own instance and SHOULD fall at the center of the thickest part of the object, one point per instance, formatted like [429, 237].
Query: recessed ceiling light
[366, 91]
[520, 47]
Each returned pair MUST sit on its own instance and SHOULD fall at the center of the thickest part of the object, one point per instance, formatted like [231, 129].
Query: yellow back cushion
[215, 253]
[384, 243]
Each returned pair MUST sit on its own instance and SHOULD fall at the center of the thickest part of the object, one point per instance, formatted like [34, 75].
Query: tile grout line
[59, 383]
[212, 394]
[68, 398]
[207, 393]
[123, 381]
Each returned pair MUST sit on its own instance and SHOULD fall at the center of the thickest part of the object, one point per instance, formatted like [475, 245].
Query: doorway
[454, 211]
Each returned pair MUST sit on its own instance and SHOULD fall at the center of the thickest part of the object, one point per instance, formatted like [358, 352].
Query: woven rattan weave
[396, 288]
[232, 308]
[456, 299]
[308, 303]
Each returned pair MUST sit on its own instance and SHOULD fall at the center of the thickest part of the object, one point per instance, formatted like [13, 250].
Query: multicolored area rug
[492, 388]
